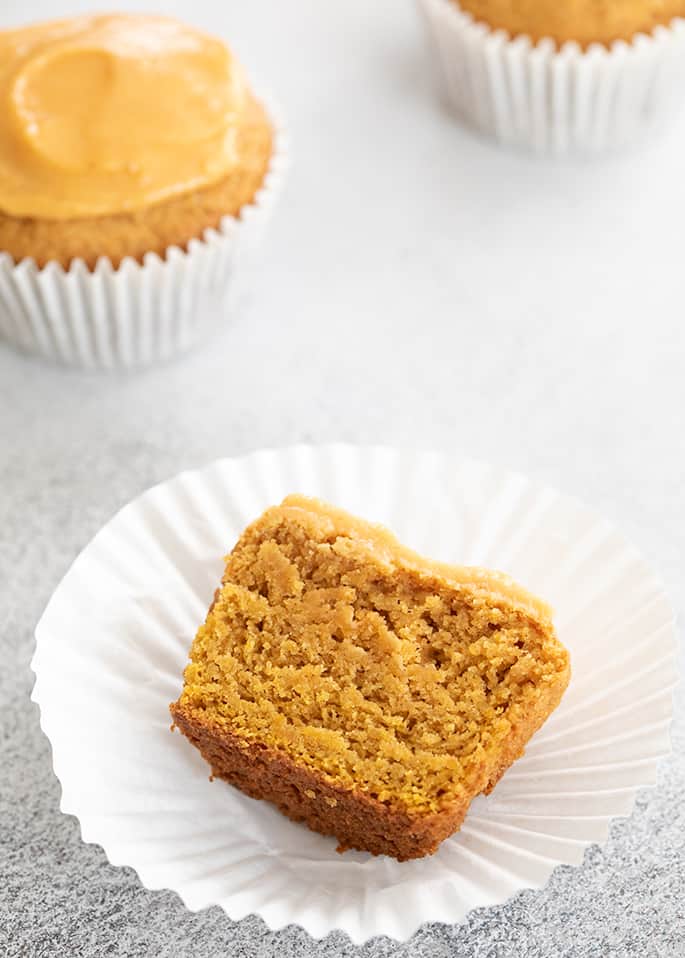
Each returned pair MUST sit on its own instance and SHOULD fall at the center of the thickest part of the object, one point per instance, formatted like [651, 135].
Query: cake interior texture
[364, 690]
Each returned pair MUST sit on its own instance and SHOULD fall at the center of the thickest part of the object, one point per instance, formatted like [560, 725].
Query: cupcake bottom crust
[154, 229]
[582, 21]
[356, 819]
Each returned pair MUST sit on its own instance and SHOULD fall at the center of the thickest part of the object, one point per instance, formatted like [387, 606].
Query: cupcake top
[104, 114]
[585, 21]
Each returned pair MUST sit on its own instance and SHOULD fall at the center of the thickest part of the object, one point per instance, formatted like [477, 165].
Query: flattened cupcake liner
[144, 795]
[139, 313]
[555, 100]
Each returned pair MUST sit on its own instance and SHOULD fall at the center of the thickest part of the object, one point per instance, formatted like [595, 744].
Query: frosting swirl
[110, 114]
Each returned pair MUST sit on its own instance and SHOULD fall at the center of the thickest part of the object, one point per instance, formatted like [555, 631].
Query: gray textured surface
[422, 289]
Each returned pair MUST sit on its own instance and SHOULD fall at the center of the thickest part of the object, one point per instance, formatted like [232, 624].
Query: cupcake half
[137, 169]
[560, 77]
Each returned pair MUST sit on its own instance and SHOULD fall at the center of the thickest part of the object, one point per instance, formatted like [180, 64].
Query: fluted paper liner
[114, 640]
[138, 313]
[546, 99]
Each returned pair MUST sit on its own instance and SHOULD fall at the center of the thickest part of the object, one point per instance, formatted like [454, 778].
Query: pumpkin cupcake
[136, 170]
[578, 76]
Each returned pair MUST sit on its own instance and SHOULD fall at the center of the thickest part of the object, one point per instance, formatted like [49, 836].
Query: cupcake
[578, 76]
[136, 171]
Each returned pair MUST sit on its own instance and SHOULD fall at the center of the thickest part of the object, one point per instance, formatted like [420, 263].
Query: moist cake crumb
[362, 689]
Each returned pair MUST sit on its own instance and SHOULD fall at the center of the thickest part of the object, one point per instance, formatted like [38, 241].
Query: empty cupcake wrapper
[553, 100]
[138, 313]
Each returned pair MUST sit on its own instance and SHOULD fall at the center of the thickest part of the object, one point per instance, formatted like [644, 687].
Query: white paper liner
[138, 314]
[113, 642]
[553, 100]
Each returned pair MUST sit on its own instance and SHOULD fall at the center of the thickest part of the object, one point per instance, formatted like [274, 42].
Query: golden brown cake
[365, 691]
[585, 21]
[122, 135]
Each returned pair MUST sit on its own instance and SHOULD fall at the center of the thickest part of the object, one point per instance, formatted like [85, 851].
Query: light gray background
[420, 288]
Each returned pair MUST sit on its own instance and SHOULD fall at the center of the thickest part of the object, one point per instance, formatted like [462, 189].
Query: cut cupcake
[362, 689]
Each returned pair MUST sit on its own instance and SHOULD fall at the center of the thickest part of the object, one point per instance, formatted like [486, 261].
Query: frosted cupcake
[583, 75]
[136, 169]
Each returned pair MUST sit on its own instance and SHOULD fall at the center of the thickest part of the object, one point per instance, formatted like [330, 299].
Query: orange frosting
[108, 114]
